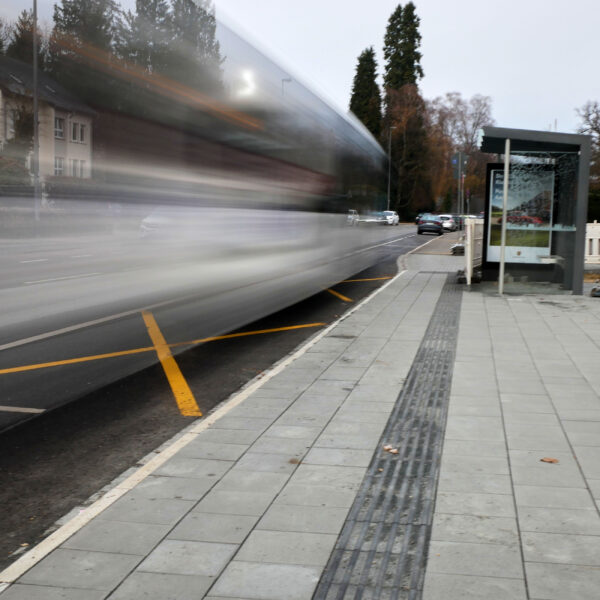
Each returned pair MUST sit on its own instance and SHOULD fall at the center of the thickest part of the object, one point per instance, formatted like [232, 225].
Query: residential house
[65, 123]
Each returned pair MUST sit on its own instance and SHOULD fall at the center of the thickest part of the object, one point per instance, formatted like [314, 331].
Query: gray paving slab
[81, 569]
[180, 488]
[483, 483]
[199, 448]
[194, 468]
[338, 457]
[272, 463]
[476, 529]
[181, 557]
[485, 505]
[235, 502]
[474, 465]
[240, 480]
[135, 508]
[485, 560]
[287, 547]
[230, 436]
[553, 497]
[444, 586]
[211, 527]
[256, 581]
[288, 446]
[39, 592]
[310, 519]
[559, 520]
[316, 495]
[561, 548]
[162, 586]
[549, 581]
[117, 537]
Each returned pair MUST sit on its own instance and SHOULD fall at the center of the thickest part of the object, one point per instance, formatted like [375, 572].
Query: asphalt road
[53, 463]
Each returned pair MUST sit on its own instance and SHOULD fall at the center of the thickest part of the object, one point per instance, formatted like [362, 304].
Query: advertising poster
[529, 214]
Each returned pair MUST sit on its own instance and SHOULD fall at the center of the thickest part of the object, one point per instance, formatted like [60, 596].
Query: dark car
[429, 223]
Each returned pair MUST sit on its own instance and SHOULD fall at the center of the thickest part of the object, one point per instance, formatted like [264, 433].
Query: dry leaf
[394, 451]
[387, 447]
[549, 460]
[380, 470]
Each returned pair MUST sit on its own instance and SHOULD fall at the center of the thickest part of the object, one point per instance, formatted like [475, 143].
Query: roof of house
[17, 77]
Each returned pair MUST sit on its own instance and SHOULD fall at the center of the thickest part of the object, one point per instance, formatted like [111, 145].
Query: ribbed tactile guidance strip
[382, 550]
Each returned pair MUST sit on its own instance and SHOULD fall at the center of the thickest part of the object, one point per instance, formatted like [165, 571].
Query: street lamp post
[36, 141]
[389, 165]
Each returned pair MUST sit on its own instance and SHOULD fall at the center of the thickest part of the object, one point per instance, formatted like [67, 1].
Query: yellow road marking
[245, 333]
[71, 361]
[181, 390]
[371, 279]
[340, 296]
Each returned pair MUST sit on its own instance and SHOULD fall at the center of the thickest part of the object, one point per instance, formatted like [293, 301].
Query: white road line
[21, 409]
[80, 255]
[53, 541]
[33, 260]
[61, 278]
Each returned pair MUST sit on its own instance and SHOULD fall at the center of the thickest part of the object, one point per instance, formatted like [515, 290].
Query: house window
[74, 132]
[74, 167]
[82, 133]
[59, 128]
[59, 165]
[82, 168]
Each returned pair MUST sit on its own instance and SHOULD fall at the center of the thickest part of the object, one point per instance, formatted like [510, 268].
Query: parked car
[373, 218]
[448, 223]
[391, 217]
[429, 223]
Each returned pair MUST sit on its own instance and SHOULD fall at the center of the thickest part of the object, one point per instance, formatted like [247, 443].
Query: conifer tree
[365, 102]
[404, 120]
[20, 40]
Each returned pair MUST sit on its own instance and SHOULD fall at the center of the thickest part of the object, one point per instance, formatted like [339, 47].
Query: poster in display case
[528, 216]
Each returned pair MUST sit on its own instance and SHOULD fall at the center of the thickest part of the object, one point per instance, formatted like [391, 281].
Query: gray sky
[537, 59]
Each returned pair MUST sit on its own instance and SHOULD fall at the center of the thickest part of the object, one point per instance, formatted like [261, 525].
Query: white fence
[592, 243]
[473, 246]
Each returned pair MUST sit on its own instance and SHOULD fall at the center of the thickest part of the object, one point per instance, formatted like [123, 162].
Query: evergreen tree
[194, 56]
[365, 102]
[146, 35]
[401, 48]
[82, 45]
[405, 114]
[20, 40]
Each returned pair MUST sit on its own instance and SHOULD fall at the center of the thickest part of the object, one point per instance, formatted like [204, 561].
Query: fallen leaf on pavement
[387, 447]
[549, 460]
[394, 451]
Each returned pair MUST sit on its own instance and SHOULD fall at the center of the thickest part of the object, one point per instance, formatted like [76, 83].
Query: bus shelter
[536, 208]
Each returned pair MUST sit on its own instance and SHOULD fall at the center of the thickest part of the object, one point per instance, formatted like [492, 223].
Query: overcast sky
[537, 59]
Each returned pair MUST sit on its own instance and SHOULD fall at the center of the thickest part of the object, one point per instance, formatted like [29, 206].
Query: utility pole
[389, 165]
[36, 140]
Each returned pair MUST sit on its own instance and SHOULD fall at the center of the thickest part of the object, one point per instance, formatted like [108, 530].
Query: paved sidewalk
[526, 386]
[259, 505]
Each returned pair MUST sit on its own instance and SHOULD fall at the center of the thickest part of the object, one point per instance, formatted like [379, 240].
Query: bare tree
[589, 114]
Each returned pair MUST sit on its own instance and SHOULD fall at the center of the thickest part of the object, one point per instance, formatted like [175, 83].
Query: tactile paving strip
[382, 550]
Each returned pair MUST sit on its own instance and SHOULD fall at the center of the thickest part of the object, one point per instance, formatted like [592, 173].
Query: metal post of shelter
[504, 215]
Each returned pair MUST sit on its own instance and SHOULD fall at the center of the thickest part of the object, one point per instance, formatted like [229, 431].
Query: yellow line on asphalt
[340, 296]
[245, 333]
[370, 279]
[181, 390]
[72, 361]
